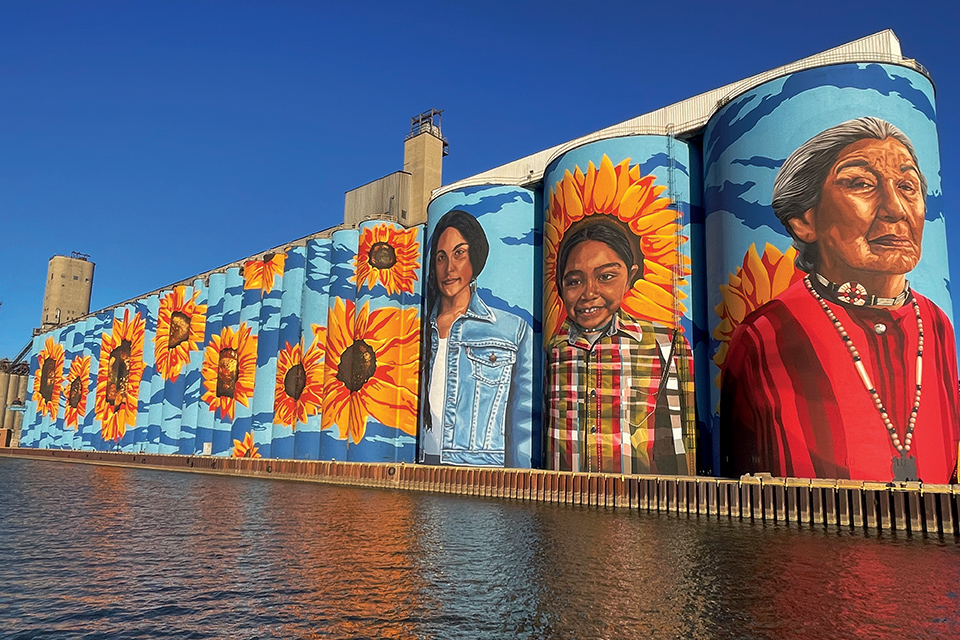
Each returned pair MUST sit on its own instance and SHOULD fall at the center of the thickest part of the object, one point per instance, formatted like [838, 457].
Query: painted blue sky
[166, 139]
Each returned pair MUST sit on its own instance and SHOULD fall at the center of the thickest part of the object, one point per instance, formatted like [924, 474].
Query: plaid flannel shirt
[603, 413]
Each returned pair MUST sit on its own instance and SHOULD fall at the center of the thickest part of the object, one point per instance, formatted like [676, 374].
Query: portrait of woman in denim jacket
[478, 374]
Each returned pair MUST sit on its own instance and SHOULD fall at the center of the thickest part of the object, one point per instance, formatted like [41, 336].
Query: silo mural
[312, 332]
[78, 401]
[259, 277]
[619, 389]
[146, 435]
[47, 380]
[73, 370]
[179, 333]
[295, 390]
[379, 361]
[76, 389]
[120, 376]
[822, 192]
[216, 307]
[185, 335]
[236, 363]
[341, 314]
[794, 248]
[93, 435]
[229, 366]
[271, 269]
[47, 389]
[479, 400]
[79, 396]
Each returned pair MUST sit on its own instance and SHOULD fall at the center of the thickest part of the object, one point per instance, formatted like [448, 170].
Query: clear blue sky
[168, 138]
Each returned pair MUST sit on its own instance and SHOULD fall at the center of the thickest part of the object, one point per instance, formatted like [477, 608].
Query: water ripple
[97, 552]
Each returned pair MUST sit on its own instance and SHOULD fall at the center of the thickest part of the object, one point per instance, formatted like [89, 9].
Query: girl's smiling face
[595, 279]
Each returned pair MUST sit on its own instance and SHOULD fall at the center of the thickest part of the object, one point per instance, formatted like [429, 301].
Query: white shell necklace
[904, 466]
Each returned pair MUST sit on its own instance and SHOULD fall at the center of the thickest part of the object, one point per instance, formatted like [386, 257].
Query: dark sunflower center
[119, 372]
[295, 381]
[228, 370]
[382, 255]
[357, 365]
[267, 257]
[76, 391]
[48, 379]
[179, 329]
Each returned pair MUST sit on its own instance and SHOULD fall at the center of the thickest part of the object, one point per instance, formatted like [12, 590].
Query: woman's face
[452, 263]
[595, 279]
[870, 216]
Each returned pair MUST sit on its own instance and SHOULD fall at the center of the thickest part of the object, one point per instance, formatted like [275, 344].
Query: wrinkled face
[595, 279]
[452, 263]
[870, 214]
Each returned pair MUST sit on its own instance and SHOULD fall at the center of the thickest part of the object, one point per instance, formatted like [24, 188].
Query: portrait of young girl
[615, 402]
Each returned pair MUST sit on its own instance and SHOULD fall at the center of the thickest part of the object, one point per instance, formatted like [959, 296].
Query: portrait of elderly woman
[478, 378]
[849, 373]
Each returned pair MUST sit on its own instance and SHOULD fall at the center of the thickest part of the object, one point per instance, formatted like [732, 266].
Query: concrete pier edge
[852, 505]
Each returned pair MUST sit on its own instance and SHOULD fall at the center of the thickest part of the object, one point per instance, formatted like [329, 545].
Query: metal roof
[692, 114]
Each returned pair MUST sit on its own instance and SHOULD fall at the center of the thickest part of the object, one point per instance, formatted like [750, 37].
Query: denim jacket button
[493, 358]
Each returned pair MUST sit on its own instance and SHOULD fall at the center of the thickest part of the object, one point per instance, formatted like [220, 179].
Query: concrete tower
[67, 294]
[403, 196]
[423, 152]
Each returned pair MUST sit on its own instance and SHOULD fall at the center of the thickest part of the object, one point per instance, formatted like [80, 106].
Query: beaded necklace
[904, 466]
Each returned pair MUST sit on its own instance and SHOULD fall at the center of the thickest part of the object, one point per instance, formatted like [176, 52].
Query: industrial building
[69, 285]
[369, 342]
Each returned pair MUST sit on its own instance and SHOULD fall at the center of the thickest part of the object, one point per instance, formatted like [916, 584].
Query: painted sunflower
[634, 200]
[76, 388]
[261, 274]
[319, 334]
[245, 449]
[180, 326]
[229, 370]
[48, 379]
[299, 388]
[371, 368]
[759, 280]
[388, 255]
[119, 375]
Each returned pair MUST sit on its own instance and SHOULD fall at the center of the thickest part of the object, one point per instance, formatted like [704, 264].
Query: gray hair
[800, 180]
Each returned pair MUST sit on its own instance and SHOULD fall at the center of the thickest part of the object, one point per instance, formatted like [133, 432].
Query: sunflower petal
[605, 189]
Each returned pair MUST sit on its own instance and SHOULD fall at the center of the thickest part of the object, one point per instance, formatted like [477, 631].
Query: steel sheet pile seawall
[908, 507]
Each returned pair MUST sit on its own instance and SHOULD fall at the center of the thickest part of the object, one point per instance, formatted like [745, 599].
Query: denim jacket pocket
[492, 362]
[491, 368]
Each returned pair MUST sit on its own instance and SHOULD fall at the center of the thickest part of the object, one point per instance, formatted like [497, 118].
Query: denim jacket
[488, 395]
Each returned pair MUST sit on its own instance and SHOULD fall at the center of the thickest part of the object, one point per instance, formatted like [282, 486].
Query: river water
[98, 552]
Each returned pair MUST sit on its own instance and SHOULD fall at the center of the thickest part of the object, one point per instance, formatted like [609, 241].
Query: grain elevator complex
[595, 307]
